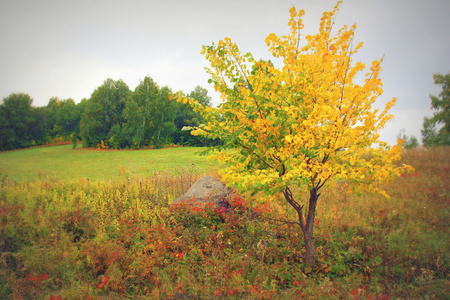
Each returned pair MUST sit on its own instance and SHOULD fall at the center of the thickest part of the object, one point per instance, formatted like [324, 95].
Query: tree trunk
[307, 225]
[308, 235]
[310, 249]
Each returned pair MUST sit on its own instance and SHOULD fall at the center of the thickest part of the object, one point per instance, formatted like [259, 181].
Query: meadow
[63, 162]
[91, 224]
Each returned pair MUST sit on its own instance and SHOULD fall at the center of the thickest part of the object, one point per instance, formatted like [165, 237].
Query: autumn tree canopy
[302, 123]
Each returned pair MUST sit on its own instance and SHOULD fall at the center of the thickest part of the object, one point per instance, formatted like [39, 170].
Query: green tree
[431, 136]
[409, 141]
[162, 118]
[138, 112]
[80, 110]
[68, 118]
[64, 118]
[149, 115]
[16, 122]
[103, 111]
[201, 96]
[39, 129]
[51, 110]
[186, 117]
[304, 124]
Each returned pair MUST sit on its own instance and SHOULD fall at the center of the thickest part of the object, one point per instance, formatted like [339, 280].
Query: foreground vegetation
[80, 239]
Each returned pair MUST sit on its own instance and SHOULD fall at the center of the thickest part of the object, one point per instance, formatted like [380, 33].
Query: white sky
[67, 48]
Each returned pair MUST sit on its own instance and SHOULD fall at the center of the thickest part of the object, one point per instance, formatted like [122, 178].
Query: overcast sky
[66, 49]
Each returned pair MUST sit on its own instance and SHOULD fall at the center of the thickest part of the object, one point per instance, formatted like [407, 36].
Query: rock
[207, 190]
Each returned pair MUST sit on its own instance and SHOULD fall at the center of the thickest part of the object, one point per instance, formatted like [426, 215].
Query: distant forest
[113, 117]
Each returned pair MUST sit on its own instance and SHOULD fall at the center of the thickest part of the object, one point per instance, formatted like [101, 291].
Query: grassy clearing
[64, 163]
[80, 239]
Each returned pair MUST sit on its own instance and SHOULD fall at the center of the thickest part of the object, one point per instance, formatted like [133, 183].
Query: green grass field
[65, 163]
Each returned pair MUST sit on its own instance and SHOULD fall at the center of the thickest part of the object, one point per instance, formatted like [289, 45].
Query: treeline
[113, 117]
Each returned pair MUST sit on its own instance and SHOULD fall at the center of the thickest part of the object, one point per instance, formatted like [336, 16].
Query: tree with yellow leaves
[302, 124]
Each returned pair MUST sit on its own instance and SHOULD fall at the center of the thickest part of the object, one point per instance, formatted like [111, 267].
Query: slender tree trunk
[310, 249]
[307, 225]
[308, 231]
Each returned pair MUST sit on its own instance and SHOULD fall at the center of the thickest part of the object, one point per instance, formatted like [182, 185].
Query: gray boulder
[207, 190]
